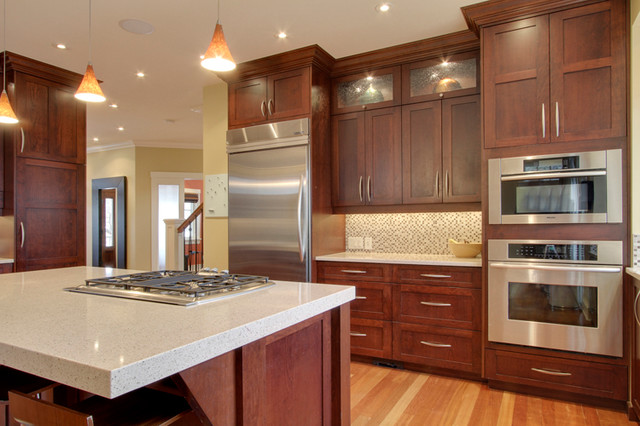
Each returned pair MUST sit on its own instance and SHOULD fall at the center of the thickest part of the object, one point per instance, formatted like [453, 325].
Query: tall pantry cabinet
[44, 166]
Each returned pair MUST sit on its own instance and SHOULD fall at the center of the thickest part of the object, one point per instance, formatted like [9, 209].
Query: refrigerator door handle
[301, 248]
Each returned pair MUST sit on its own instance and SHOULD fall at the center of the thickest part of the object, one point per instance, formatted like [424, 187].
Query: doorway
[109, 219]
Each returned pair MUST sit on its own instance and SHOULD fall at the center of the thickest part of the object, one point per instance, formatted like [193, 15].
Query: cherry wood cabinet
[44, 166]
[558, 77]
[441, 151]
[367, 157]
[634, 398]
[423, 316]
[275, 97]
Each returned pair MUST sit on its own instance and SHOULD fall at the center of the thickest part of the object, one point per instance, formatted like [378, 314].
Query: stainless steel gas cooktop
[184, 288]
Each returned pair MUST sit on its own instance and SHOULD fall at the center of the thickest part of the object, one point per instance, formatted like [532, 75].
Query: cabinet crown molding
[30, 66]
[498, 11]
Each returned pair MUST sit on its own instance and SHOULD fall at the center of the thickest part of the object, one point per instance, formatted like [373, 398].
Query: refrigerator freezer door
[268, 213]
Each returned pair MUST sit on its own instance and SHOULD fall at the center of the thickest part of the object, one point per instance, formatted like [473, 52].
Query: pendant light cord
[218, 12]
[4, 46]
[90, 55]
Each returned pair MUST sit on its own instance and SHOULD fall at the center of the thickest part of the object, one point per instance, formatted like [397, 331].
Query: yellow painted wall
[137, 164]
[156, 160]
[216, 239]
[106, 164]
[635, 116]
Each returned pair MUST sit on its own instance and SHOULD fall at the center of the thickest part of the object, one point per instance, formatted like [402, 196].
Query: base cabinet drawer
[440, 347]
[587, 378]
[446, 276]
[371, 337]
[442, 306]
[373, 300]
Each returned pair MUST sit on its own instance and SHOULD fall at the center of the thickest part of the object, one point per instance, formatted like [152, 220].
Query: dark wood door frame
[120, 184]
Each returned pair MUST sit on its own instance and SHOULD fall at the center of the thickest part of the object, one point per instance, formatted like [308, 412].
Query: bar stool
[14, 379]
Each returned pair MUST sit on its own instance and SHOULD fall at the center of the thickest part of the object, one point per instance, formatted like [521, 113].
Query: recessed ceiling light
[121, 128]
[140, 74]
[383, 7]
[136, 26]
[197, 109]
[201, 56]
[60, 46]
[96, 139]
[282, 34]
[114, 106]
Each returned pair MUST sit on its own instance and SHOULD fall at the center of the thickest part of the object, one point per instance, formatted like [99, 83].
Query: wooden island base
[299, 375]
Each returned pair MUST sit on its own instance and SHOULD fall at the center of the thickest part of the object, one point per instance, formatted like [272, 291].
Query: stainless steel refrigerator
[269, 204]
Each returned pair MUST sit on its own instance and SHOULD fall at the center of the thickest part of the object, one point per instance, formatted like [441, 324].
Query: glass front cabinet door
[438, 78]
[369, 90]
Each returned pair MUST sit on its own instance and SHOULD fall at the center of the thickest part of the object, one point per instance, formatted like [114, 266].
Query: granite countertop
[110, 346]
[401, 258]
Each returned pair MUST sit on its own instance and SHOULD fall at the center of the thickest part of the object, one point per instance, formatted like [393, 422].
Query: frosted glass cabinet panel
[369, 90]
[439, 78]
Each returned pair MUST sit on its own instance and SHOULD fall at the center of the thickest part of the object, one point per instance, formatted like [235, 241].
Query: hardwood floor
[386, 396]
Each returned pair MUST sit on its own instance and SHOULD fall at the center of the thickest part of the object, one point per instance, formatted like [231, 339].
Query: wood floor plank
[385, 396]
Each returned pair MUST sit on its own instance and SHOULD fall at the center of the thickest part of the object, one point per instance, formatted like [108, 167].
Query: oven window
[585, 194]
[554, 304]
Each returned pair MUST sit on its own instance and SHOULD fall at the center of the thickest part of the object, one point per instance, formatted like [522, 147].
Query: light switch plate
[368, 243]
[216, 196]
[356, 243]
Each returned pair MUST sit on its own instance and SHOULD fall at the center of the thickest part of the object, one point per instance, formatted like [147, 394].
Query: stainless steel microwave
[584, 187]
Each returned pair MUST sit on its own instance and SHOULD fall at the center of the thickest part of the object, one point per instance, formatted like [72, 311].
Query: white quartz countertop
[402, 258]
[110, 346]
[634, 272]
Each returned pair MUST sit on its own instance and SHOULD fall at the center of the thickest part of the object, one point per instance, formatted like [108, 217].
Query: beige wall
[106, 164]
[635, 116]
[137, 164]
[214, 153]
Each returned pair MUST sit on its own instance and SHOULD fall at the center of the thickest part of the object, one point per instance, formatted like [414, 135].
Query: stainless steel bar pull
[557, 121]
[352, 271]
[435, 344]
[635, 308]
[436, 304]
[369, 188]
[262, 109]
[354, 334]
[22, 232]
[269, 107]
[301, 248]
[550, 372]
[544, 124]
[435, 276]
[361, 297]
[360, 188]
[437, 188]
[22, 136]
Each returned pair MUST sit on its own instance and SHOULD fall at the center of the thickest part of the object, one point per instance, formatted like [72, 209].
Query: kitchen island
[278, 351]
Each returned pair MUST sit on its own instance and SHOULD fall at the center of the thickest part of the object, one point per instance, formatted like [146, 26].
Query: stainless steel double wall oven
[550, 293]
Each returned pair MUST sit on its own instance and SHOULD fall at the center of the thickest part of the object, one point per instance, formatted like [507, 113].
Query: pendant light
[7, 116]
[218, 57]
[89, 89]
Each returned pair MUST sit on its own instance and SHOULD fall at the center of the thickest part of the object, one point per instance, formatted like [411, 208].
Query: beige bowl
[464, 249]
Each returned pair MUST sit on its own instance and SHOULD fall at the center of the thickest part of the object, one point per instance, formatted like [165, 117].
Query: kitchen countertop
[109, 346]
[5, 260]
[634, 272]
[402, 258]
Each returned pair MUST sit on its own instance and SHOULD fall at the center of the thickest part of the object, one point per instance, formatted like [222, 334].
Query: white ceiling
[156, 110]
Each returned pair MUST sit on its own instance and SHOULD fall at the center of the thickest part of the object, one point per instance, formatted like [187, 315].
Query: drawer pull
[550, 372]
[361, 297]
[353, 334]
[352, 271]
[435, 345]
[434, 304]
[435, 276]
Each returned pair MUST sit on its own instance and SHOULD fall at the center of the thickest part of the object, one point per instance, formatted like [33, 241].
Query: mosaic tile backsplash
[636, 250]
[423, 233]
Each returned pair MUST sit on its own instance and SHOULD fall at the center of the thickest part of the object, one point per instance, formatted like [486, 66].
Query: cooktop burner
[175, 287]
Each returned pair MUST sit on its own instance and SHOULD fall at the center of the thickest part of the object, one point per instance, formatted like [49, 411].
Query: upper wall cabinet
[444, 77]
[375, 89]
[272, 98]
[559, 77]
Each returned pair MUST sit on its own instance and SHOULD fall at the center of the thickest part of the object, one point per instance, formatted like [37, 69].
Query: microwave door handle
[554, 175]
[609, 269]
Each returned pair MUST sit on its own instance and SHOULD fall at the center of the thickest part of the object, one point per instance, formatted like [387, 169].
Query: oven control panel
[588, 252]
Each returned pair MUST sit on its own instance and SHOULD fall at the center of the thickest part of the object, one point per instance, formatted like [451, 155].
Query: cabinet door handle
[544, 124]
[352, 271]
[635, 308]
[557, 121]
[437, 189]
[550, 372]
[435, 276]
[22, 232]
[361, 297]
[435, 304]
[262, 109]
[446, 184]
[360, 188]
[22, 135]
[435, 345]
[369, 188]
[269, 109]
[354, 334]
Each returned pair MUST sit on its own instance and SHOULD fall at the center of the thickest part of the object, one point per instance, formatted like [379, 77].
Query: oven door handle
[571, 268]
[553, 175]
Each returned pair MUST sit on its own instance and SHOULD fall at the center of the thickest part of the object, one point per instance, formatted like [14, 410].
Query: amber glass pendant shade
[7, 116]
[89, 90]
[218, 57]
